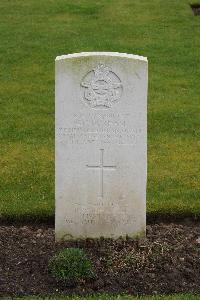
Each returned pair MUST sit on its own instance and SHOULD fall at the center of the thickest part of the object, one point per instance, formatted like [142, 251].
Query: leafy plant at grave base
[70, 264]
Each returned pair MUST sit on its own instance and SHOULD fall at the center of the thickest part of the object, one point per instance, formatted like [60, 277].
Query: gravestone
[101, 145]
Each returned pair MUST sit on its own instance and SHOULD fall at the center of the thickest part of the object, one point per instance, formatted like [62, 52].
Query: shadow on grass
[152, 218]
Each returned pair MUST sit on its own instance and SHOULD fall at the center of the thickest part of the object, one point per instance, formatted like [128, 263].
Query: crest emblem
[101, 87]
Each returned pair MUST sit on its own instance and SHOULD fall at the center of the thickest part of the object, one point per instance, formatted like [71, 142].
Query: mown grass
[33, 33]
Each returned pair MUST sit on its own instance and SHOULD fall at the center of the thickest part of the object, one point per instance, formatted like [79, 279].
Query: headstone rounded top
[111, 54]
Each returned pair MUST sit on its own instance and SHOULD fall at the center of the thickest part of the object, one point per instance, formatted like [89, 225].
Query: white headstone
[101, 145]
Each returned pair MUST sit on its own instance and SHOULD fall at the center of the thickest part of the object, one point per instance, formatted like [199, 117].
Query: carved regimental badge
[101, 87]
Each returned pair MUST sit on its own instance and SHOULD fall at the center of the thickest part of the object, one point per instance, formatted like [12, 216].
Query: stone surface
[101, 145]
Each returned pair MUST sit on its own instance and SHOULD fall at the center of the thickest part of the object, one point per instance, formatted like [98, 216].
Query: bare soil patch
[166, 262]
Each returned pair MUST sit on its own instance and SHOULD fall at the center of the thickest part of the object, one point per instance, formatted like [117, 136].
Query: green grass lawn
[33, 33]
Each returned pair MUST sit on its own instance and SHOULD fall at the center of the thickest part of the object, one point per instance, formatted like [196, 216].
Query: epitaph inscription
[105, 128]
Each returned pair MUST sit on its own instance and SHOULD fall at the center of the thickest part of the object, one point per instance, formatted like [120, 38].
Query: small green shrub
[70, 264]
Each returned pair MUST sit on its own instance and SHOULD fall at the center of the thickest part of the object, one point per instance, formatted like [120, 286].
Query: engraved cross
[102, 167]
